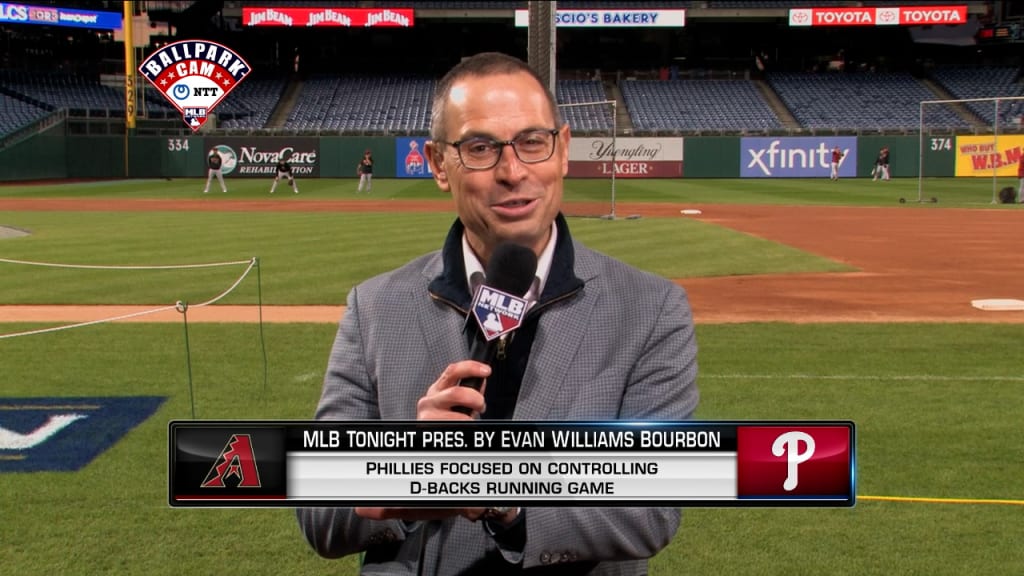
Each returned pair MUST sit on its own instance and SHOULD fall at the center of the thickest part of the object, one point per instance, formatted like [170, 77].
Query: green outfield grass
[937, 410]
[961, 192]
[937, 406]
[316, 257]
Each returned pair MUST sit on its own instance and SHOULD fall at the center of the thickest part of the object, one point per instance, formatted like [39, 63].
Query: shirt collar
[475, 270]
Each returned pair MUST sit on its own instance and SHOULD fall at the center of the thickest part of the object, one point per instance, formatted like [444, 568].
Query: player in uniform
[214, 162]
[837, 155]
[365, 170]
[284, 169]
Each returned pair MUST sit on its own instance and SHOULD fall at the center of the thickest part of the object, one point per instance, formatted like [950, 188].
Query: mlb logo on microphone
[804, 461]
[496, 312]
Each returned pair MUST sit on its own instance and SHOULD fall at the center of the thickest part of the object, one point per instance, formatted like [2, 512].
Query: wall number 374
[179, 144]
[942, 144]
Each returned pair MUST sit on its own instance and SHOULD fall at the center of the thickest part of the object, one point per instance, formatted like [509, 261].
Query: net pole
[615, 118]
[995, 150]
[920, 151]
[615, 149]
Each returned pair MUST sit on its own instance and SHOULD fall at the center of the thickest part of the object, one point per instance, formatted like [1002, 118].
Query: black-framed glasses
[481, 153]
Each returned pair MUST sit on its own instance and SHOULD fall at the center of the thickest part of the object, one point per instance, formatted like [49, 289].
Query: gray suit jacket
[621, 348]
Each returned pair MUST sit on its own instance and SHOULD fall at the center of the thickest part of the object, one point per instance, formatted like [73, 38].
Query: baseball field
[812, 299]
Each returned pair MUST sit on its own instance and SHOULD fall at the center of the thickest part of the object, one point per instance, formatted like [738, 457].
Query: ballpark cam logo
[194, 76]
[235, 460]
[496, 312]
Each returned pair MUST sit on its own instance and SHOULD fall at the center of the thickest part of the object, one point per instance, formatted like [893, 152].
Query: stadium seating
[74, 92]
[394, 104]
[696, 105]
[15, 113]
[858, 101]
[250, 104]
[984, 82]
[584, 118]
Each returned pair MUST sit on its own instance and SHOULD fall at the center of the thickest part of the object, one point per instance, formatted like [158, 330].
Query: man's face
[513, 201]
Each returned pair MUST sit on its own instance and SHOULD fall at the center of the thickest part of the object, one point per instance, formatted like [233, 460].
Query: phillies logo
[804, 461]
[194, 76]
[496, 312]
[235, 460]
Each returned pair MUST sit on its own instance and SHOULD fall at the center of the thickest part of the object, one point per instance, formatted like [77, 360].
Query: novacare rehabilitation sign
[194, 76]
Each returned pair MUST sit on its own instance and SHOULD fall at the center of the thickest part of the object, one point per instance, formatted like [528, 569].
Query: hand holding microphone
[498, 307]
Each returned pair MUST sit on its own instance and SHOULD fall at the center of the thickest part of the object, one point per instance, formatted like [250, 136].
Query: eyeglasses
[481, 153]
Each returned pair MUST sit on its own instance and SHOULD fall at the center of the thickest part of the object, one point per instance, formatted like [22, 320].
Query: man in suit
[602, 341]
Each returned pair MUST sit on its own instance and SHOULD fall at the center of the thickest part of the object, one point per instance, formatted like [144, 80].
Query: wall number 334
[177, 144]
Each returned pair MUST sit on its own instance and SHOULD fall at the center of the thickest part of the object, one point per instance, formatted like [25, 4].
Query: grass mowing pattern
[929, 424]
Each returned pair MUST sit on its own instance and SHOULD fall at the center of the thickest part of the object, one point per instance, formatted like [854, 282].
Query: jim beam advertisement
[629, 158]
[244, 157]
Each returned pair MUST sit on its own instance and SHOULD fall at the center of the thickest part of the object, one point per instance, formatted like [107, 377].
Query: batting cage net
[985, 150]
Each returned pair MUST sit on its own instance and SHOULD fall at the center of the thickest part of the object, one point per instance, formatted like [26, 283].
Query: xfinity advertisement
[797, 157]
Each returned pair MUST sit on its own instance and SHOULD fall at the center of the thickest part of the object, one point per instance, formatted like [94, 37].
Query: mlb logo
[802, 461]
[496, 312]
[195, 117]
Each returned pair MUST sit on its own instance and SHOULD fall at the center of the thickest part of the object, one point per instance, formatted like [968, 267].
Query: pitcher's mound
[998, 304]
[11, 232]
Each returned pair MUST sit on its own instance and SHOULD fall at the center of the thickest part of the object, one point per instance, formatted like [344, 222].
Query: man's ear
[564, 136]
[435, 158]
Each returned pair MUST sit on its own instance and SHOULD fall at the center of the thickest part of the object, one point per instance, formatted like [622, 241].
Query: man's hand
[445, 393]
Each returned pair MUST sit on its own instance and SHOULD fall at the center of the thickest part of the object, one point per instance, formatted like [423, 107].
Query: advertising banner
[327, 16]
[633, 157]
[797, 157]
[611, 18]
[252, 157]
[879, 16]
[410, 158]
[59, 16]
[980, 155]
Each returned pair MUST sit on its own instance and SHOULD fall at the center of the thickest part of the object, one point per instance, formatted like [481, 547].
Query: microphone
[510, 270]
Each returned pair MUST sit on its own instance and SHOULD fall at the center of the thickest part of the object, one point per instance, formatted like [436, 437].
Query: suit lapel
[440, 327]
[561, 331]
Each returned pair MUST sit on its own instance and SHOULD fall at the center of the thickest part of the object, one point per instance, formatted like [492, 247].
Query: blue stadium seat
[859, 101]
[693, 105]
[984, 82]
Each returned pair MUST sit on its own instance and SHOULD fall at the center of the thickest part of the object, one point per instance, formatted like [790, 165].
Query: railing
[174, 127]
[33, 128]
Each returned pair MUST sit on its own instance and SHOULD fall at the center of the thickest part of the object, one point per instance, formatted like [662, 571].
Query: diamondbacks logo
[194, 76]
[236, 461]
[496, 312]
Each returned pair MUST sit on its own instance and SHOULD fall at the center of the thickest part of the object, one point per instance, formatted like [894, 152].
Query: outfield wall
[52, 154]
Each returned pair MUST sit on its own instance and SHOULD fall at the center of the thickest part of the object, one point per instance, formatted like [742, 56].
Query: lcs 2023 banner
[798, 157]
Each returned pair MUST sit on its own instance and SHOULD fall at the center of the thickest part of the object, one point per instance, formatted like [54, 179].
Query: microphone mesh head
[511, 268]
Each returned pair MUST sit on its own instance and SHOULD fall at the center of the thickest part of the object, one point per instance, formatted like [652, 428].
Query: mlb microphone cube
[511, 463]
